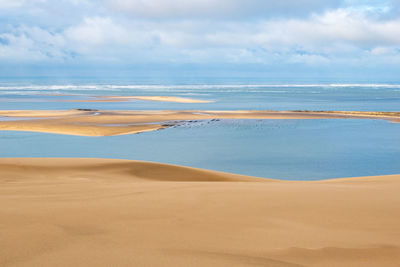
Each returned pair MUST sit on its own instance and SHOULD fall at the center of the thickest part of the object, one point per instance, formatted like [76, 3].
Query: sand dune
[91, 212]
[88, 122]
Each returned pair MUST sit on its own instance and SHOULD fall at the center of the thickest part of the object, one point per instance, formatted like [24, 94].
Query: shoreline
[101, 212]
[88, 122]
[43, 162]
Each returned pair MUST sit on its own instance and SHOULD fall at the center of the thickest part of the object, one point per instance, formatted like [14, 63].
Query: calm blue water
[283, 149]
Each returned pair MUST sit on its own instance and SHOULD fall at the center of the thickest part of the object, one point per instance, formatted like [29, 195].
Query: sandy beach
[86, 122]
[92, 212]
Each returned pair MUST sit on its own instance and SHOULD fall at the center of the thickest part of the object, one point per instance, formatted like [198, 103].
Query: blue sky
[307, 38]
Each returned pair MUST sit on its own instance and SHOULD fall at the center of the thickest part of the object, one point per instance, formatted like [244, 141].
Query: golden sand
[92, 212]
[105, 123]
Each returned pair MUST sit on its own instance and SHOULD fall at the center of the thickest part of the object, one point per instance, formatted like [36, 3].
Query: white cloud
[335, 35]
[31, 44]
[103, 38]
[330, 30]
[384, 51]
[96, 31]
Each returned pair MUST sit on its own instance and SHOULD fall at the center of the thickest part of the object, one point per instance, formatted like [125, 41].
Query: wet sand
[88, 122]
[92, 212]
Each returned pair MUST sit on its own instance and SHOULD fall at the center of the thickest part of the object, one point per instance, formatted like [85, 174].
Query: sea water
[355, 97]
[282, 149]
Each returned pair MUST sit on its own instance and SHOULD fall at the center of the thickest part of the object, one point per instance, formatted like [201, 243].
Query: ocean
[281, 149]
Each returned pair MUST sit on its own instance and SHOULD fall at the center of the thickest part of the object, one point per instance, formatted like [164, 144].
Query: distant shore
[89, 122]
[98, 212]
[174, 99]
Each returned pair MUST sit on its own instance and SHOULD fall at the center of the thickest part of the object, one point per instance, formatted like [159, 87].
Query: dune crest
[98, 212]
[120, 169]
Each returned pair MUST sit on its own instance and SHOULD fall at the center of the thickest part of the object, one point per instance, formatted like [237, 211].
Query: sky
[348, 39]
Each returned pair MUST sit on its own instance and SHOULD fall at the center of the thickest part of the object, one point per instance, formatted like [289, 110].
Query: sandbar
[174, 99]
[90, 122]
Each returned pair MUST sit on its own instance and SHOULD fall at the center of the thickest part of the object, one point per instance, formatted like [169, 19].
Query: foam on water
[100, 87]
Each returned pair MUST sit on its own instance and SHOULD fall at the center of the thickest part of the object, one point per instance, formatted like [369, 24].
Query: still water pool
[282, 149]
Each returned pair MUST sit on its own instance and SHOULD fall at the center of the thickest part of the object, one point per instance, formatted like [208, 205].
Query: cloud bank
[121, 32]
